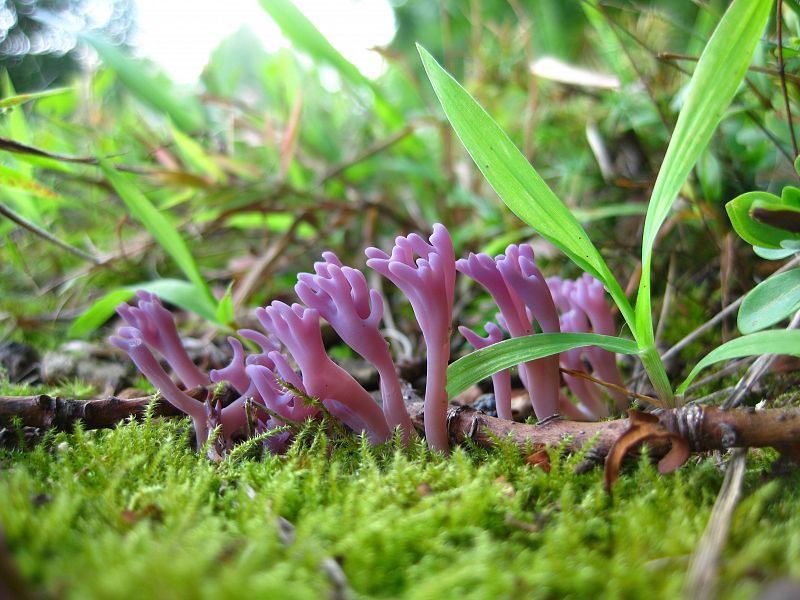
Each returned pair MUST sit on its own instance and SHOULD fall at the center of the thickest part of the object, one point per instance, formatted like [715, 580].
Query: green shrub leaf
[770, 301]
[175, 291]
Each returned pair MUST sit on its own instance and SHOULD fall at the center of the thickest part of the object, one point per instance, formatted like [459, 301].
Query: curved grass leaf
[304, 35]
[175, 291]
[162, 230]
[516, 181]
[770, 301]
[12, 101]
[16, 180]
[156, 92]
[481, 364]
[719, 72]
[780, 341]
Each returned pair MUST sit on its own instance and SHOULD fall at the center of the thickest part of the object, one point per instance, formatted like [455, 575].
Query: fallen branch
[45, 412]
[696, 427]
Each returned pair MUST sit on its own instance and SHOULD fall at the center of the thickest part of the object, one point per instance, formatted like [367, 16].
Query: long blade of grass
[481, 364]
[175, 291]
[719, 72]
[12, 101]
[516, 181]
[780, 341]
[305, 36]
[156, 92]
[161, 229]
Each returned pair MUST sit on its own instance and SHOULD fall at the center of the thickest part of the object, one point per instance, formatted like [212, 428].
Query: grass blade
[175, 291]
[780, 341]
[516, 181]
[481, 364]
[156, 92]
[161, 229]
[304, 35]
[719, 72]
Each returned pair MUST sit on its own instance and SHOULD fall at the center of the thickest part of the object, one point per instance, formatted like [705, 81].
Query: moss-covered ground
[133, 512]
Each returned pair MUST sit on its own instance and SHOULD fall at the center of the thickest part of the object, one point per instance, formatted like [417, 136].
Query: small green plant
[719, 73]
[772, 225]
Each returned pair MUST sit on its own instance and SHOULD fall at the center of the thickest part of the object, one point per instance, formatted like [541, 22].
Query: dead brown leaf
[645, 427]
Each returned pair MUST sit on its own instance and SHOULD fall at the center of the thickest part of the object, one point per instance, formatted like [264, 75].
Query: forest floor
[134, 512]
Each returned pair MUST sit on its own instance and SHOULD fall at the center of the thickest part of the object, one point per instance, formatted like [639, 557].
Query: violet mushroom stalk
[501, 381]
[428, 282]
[534, 374]
[344, 300]
[157, 328]
[131, 341]
[297, 327]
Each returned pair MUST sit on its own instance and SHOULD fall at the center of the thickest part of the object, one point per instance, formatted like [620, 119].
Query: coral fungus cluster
[425, 271]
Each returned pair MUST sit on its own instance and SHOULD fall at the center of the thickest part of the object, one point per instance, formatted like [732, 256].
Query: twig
[36, 230]
[614, 386]
[701, 581]
[370, 151]
[704, 568]
[782, 71]
[670, 56]
[689, 338]
[704, 427]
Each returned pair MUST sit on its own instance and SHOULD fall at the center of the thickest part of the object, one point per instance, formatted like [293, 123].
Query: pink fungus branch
[425, 271]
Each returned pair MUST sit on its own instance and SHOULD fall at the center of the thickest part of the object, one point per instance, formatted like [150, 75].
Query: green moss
[133, 512]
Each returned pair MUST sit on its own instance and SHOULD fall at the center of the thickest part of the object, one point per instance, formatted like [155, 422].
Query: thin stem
[613, 386]
[782, 72]
[36, 230]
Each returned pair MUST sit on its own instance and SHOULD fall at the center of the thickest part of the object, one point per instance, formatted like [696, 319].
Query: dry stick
[705, 427]
[782, 71]
[701, 581]
[704, 568]
[666, 303]
[718, 317]
[613, 26]
[255, 276]
[614, 386]
[670, 56]
[372, 151]
[36, 230]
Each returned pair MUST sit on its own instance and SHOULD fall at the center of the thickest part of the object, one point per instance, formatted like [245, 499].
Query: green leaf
[773, 253]
[304, 35]
[483, 363]
[99, 312]
[156, 92]
[770, 301]
[197, 158]
[161, 229]
[225, 312]
[719, 72]
[16, 180]
[749, 229]
[516, 181]
[791, 195]
[12, 101]
[774, 341]
[175, 291]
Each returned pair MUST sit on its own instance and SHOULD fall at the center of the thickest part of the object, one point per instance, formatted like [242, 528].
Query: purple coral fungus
[429, 284]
